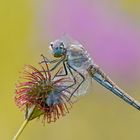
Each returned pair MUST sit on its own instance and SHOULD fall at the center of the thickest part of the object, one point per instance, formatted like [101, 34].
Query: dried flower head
[47, 95]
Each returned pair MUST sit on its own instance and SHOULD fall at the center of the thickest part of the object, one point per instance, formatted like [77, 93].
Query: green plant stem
[28, 116]
[21, 129]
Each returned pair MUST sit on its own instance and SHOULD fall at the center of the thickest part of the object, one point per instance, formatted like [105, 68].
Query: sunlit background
[109, 30]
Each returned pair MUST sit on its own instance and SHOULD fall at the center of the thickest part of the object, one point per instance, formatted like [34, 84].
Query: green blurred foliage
[97, 116]
[131, 6]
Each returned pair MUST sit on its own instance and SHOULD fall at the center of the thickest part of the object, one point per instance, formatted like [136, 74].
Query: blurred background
[109, 30]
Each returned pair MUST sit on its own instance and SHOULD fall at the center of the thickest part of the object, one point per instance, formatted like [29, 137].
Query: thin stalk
[28, 116]
[21, 129]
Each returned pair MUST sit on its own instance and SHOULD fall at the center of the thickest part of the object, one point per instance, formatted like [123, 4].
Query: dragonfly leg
[65, 70]
[50, 61]
[66, 73]
[83, 79]
[57, 61]
[46, 60]
[26, 112]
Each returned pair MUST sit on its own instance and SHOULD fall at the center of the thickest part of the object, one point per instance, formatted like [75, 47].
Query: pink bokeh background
[110, 35]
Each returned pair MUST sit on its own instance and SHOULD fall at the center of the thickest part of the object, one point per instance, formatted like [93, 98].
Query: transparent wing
[84, 88]
[74, 92]
[68, 41]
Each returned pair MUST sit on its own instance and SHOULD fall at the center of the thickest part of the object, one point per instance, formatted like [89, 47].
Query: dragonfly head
[58, 48]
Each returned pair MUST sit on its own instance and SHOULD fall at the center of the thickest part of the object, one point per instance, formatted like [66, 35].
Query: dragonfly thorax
[78, 57]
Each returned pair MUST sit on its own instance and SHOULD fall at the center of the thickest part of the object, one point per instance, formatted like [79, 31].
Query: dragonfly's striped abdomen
[98, 75]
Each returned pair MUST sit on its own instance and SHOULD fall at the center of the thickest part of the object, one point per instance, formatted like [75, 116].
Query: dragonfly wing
[68, 40]
[84, 87]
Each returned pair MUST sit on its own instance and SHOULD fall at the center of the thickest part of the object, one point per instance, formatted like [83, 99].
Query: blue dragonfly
[76, 59]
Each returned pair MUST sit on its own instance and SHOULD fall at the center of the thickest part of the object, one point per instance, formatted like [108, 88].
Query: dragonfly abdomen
[98, 75]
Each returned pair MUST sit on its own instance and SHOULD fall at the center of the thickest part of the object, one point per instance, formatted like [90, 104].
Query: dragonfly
[75, 59]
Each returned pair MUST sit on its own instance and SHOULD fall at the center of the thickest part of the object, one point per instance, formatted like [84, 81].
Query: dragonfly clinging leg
[67, 69]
